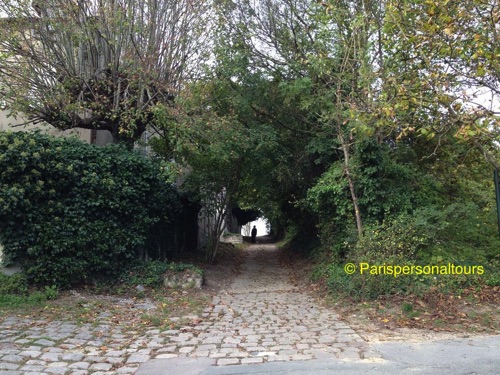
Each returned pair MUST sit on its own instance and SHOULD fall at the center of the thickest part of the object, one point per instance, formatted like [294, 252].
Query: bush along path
[261, 318]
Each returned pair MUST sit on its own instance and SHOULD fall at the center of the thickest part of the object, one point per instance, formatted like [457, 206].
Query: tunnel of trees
[365, 129]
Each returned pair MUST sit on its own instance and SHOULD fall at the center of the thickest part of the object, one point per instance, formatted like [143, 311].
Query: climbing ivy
[70, 211]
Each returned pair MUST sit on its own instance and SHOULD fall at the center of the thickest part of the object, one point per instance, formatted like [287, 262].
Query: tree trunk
[216, 233]
[354, 197]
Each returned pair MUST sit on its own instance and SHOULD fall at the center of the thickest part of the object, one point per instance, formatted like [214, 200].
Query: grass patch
[15, 293]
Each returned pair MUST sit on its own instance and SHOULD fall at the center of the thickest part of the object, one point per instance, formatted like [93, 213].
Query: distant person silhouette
[254, 234]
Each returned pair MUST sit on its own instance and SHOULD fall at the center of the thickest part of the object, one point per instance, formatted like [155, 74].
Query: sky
[261, 227]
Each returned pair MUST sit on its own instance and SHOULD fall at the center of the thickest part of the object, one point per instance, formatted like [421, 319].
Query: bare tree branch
[100, 64]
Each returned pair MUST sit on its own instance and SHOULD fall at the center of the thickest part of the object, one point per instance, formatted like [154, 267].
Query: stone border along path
[261, 318]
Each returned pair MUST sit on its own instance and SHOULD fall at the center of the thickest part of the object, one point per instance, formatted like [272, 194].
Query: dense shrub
[419, 206]
[384, 186]
[366, 286]
[13, 284]
[460, 230]
[70, 211]
[458, 234]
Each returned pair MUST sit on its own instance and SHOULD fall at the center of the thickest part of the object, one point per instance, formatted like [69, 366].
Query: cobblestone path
[260, 318]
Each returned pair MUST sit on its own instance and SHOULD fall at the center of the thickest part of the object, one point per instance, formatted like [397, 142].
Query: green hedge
[70, 211]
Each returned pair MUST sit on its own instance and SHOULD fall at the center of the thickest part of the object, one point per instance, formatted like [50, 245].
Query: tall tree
[320, 57]
[443, 71]
[99, 64]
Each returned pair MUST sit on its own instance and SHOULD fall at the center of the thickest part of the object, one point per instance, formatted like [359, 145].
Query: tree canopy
[99, 64]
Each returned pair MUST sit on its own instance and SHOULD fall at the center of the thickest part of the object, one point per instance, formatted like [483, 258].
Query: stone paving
[260, 318]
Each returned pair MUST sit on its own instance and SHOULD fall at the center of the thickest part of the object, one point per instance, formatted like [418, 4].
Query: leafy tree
[255, 68]
[218, 153]
[442, 70]
[99, 64]
[320, 61]
[333, 74]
